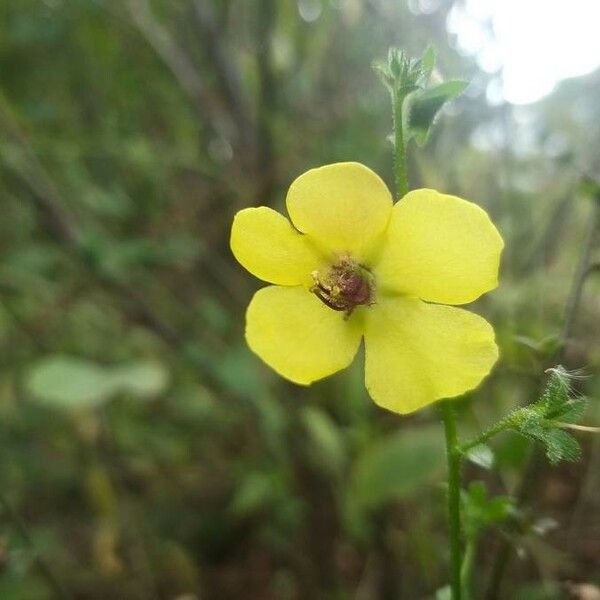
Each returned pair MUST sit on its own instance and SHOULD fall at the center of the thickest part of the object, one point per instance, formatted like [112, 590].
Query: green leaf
[482, 456]
[326, 442]
[557, 391]
[142, 378]
[444, 593]
[572, 411]
[254, 493]
[428, 61]
[397, 466]
[561, 445]
[69, 383]
[423, 107]
[481, 511]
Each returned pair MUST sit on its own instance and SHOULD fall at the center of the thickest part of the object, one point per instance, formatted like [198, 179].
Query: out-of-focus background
[145, 453]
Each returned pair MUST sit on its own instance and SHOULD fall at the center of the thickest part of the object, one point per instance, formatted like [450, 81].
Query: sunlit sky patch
[536, 43]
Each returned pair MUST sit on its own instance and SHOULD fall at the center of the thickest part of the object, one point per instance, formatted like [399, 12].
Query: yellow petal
[266, 244]
[439, 248]
[298, 336]
[344, 207]
[417, 353]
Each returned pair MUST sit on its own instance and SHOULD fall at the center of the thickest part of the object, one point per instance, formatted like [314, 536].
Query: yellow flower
[354, 264]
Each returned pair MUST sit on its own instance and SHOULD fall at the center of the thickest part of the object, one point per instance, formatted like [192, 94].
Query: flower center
[344, 286]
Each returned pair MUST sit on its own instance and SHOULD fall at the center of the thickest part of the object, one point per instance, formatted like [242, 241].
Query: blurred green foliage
[146, 452]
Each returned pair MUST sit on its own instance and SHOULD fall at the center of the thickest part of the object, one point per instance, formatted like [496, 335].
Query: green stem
[502, 425]
[453, 457]
[400, 171]
[465, 573]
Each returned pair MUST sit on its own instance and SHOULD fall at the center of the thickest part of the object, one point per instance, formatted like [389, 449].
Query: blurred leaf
[254, 493]
[69, 383]
[398, 465]
[141, 378]
[327, 443]
[74, 383]
[481, 511]
[428, 61]
[482, 456]
[444, 593]
[424, 106]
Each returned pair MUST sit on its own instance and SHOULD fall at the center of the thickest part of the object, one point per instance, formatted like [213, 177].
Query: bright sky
[535, 42]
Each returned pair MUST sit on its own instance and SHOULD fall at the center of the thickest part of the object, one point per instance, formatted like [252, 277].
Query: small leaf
[423, 108]
[531, 424]
[142, 378]
[397, 466]
[572, 411]
[481, 455]
[481, 511]
[444, 593]
[70, 383]
[556, 393]
[326, 442]
[561, 445]
[254, 494]
[428, 61]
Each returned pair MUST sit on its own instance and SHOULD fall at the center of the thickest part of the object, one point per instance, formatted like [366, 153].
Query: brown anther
[344, 286]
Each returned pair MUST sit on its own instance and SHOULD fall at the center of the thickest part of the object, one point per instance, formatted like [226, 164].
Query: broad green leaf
[424, 106]
[69, 383]
[398, 466]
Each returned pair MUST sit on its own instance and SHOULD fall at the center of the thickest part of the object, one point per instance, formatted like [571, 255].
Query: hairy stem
[499, 427]
[454, 528]
[400, 169]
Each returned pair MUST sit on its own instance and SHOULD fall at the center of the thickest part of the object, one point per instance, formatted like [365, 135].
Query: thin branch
[219, 55]
[45, 193]
[180, 65]
[575, 427]
[550, 238]
[582, 272]
[267, 99]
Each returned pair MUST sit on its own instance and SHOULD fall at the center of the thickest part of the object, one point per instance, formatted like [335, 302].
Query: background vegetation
[146, 453]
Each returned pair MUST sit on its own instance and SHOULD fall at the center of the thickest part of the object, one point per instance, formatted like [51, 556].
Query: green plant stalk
[452, 449]
[454, 528]
[467, 565]
[502, 425]
[400, 169]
